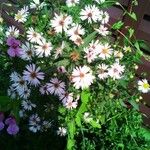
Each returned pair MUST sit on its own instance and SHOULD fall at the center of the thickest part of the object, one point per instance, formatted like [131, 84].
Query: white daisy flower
[12, 32]
[43, 48]
[105, 51]
[75, 32]
[103, 17]
[33, 36]
[116, 71]
[71, 3]
[70, 104]
[90, 13]
[24, 93]
[22, 15]
[34, 123]
[27, 51]
[56, 86]
[33, 74]
[143, 86]
[102, 30]
[27, 105]
[102, 71]
[36, 4]
[61, 22]
[61, 131]
[82, 77]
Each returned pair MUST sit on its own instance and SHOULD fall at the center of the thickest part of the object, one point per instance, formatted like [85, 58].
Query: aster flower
[24, 93]
[90, 13]
[61, 131]
[75, 32]
[103, 17]
[43, 48]
[91, 51]
[12, 31]
[104, 51]
[33, 74]
[102, 71]
[27, 105]
[116, 71]
[33, 36]
[22, 15]
[56, 86]
[65, 96]
[61, 69]
[70, 104]
[27, 51]
[44, 90]
[71, 3]
[82, 77]
[14, 49]
[34, 123]
[143, 86]
[61, 22]
[19, 83]
[102, 30]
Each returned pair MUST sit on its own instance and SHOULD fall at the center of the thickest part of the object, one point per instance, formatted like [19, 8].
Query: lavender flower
[14, 49]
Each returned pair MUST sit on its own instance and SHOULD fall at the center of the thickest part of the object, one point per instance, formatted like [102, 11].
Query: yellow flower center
[19, 16]
[146, 85]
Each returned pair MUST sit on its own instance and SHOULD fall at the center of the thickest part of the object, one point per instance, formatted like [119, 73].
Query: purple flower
[1, 125]
[14, 49]
[13, 129]
[10, 121]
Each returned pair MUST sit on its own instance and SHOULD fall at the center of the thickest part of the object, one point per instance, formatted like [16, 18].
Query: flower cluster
[61, 56]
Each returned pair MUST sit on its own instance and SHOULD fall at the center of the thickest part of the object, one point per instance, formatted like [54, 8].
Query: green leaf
[134, 104]
[144, 45]
[70, 144]
[131, 32]
[118, 25]
[4, 100]
[145, 133]
[133, 16]
[85, 96]
[71, 126]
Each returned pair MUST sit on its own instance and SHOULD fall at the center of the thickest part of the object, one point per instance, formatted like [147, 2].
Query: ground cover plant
[66, 83]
